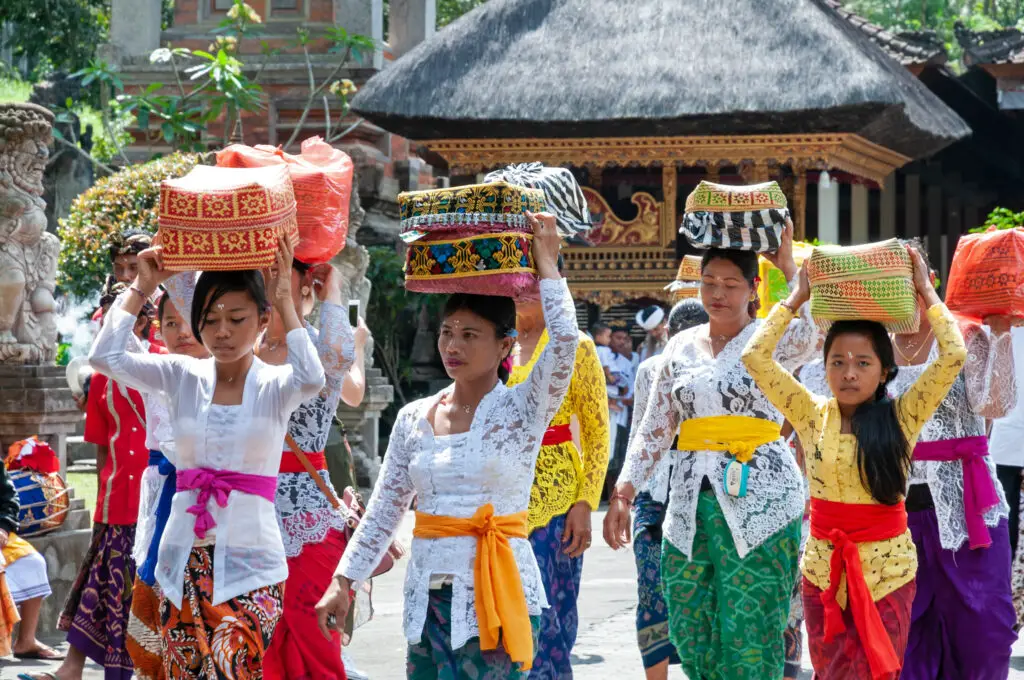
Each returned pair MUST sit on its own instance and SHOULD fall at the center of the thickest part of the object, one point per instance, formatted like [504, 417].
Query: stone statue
[28, 254]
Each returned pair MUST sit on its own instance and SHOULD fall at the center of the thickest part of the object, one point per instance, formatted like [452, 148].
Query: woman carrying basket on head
[860, 562]
[736, 497]
[221, 561]
[474, 593]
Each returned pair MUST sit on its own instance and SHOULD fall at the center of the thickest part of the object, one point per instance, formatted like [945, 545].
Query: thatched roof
[605, 68]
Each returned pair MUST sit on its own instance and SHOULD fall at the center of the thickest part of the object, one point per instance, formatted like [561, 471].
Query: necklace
[724, 339]
[913, 358]
[466, 409]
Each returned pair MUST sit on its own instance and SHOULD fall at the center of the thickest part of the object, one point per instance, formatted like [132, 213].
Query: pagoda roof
[655, 68]
[1002, 46]
[910, 48]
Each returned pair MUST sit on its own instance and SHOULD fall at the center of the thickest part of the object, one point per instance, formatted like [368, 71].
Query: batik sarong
[96, 613]
[299, 649]
[144, 642]
[793, 638]
[962, 618]
[844, 657]
[561, 576]
[227, 641]
[432, 658]
[651, 610]
[8, 615]
[727, 614]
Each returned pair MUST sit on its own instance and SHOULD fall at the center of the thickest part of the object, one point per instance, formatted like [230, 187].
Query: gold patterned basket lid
[498, 205]
[226, 218]
[710, 197]
[687, 277]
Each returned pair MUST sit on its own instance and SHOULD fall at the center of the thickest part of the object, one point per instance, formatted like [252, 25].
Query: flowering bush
[125, 200]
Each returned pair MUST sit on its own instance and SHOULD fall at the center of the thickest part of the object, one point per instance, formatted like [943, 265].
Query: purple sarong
[963, 617]
[95, 616]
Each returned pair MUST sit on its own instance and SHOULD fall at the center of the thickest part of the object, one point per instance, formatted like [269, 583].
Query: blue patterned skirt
[651, 610]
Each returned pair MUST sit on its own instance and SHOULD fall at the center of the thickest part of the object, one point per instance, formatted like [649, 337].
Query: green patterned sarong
[726, 614]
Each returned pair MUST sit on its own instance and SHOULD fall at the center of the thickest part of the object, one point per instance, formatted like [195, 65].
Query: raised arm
[590, 404]
[541, 394]
[182, 288]
[110, 355]
[335, 347]
[989, 371]
[391, 497]
[918, 403]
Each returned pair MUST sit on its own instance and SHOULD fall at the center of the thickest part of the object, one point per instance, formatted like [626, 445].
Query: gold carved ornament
[609, 230]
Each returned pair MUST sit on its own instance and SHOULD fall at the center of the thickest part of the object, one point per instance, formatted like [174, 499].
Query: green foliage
[14, 90]
[125, 200]
[61, 33]
[63, 354]
[1001, 218]
[450, 10]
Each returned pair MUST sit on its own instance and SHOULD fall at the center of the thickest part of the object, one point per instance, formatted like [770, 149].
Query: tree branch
[314, 91]
[347, 130]
[80, 151]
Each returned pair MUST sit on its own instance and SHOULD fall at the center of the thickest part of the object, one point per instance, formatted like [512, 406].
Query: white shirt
[1006, 445]
[249, 553]
[455, 475]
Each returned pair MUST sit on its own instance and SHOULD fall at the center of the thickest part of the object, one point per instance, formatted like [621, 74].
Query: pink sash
[217, 485]
[979, 492]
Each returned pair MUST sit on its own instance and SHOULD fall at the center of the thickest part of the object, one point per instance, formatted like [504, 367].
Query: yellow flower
[343, 88]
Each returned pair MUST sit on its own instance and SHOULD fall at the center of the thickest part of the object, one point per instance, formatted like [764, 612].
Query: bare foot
[37, 650]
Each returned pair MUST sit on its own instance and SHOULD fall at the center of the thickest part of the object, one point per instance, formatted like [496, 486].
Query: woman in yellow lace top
[860, 561]
[566, 487]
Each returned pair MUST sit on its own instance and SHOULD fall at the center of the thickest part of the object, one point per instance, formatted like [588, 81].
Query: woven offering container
[471, 239]
[773, 287]
[873, 282]
[225, 219]
[750, 217]
[987, 274]
[687, 283]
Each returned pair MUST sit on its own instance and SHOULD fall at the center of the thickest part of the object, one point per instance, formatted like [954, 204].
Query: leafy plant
[1001, 218]
[62, 34]
[127, 199]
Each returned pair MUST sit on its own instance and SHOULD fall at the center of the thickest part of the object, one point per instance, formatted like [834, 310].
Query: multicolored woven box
[873, 281]
[687, 283]
[773, 287]
[471, 239]
[750, 217]
[226, 218]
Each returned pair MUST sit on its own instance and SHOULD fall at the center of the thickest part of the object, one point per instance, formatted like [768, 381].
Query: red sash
[291, 465]
[846, 525]
[557, 434]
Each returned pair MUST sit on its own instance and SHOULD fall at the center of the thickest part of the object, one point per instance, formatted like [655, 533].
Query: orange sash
[500, 602]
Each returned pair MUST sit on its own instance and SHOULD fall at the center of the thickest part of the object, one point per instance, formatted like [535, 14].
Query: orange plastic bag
[987, 274]
[322, 177]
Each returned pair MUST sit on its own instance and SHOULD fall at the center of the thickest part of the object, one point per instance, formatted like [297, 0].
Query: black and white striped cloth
[562, 192]
[759, 231]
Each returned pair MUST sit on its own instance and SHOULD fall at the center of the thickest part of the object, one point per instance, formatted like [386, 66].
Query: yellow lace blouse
[831, 457]
[562, 477]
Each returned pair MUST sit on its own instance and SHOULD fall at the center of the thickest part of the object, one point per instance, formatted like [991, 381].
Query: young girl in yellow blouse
[566, 488]
[860, 561]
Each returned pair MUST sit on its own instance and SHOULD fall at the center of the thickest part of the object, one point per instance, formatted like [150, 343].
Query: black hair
[560, 264]
[748, 266]
[883, 453]
[686, 314]
[214, 284]
[128, 242]
[599, 328]
[500, 311]
[301, 267]
[160, 306]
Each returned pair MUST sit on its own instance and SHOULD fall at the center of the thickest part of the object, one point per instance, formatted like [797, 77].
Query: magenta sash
[217, 485]
[979, 492]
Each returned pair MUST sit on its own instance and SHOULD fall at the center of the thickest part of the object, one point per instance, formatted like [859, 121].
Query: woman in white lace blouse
[312, 529]
[736, 496]
[221, 559]
[468, 454]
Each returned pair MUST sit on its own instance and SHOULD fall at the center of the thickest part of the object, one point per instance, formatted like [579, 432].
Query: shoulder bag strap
[320, 483]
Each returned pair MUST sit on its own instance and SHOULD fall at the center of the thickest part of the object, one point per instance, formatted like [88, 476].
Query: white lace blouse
[690, 383]
[658, 483]
[249, 553]
[455, 476]
[985, 388]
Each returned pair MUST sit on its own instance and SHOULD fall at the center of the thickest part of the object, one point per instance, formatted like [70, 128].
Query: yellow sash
[16, 548]
[739, 435]
[500, 601]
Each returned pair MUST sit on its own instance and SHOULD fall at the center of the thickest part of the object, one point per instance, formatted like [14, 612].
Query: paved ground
[606, 647]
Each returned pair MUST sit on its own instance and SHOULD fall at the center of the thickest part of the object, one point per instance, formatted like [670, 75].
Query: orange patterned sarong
[228, 640]
[144, 645]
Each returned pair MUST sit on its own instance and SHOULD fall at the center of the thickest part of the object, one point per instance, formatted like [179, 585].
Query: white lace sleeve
[803, 340]
[989, 372]
[641, 393]
[141, 371]
[658, 426]
[182, 288]
[541, 394]
[306, 377]
[336, 346]
[391, 497]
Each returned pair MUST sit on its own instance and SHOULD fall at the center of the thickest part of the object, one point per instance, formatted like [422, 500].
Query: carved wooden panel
[609, 230]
